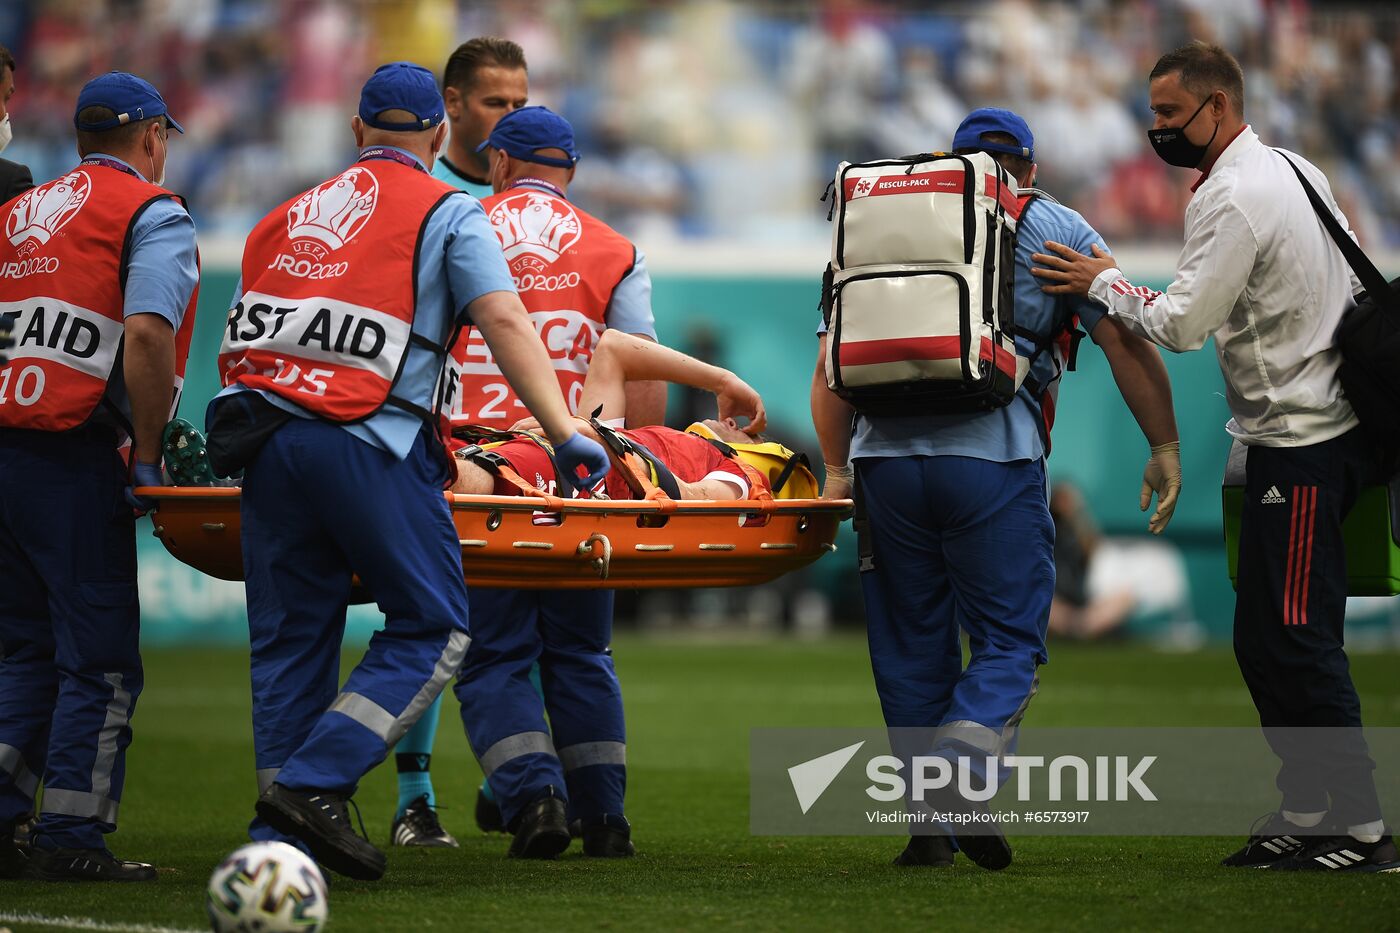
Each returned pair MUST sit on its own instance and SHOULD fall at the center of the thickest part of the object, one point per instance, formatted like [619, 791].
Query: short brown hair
[1204, 69]
[7, 60]
[112, 140]
[474, 54]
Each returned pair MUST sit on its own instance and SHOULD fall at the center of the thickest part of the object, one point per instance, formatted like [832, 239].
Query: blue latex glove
[579, 451]
[143, 474]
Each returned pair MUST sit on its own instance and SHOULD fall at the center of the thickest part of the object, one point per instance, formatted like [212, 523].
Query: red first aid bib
[62, 267]
[326, 317]
[566, 265]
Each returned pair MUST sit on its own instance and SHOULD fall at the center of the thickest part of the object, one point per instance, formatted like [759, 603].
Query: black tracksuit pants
[1290, 604]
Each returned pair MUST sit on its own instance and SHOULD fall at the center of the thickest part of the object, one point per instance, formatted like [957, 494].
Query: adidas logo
[1273, 497]
[1341, 859]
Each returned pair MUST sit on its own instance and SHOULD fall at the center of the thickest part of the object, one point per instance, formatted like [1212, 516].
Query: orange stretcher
[585, 544]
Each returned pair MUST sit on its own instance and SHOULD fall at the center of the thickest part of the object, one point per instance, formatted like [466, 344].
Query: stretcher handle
[603, 562]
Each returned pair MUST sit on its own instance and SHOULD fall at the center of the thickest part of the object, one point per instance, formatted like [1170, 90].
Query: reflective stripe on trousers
[584, 754]
[386, 725]
[516, 746]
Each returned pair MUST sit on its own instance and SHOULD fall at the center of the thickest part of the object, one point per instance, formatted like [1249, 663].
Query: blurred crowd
[724, 119]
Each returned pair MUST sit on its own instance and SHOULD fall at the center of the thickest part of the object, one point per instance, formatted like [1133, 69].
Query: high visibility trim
[973, 734]
[584, 754]
[367, 713]
[83, 805]
[266, 778]
[12, 763]
[985, 738]
[516, 746]
[449, 662]
[109, 739]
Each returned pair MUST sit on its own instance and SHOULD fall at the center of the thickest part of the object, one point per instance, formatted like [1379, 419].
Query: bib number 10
[28, 386]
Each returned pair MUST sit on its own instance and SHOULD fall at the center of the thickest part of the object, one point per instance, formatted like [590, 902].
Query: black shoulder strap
[1376, 285]
[621, 445]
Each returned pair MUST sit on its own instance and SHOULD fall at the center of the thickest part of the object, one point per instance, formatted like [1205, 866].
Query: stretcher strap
[638, 466]
[498, 466]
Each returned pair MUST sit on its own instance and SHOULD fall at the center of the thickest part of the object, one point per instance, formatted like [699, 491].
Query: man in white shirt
[1260, 274]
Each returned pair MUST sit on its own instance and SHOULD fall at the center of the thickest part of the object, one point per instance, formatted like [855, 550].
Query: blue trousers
[318, 502]
[70, 661]
[956, 543]
[584, 758]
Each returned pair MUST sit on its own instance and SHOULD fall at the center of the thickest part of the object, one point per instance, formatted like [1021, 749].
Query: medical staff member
[1260, 275]
[485, 79]
[351, 294]
[100, 280]
[14, 177]
[959, 530]
[577, 277]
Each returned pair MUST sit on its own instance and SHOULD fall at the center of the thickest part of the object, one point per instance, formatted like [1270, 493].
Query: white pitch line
[83, 923]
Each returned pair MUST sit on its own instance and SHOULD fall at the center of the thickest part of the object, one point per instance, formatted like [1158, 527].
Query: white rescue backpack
[918, 297]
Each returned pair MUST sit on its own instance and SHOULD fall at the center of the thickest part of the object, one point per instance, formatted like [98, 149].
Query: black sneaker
[85, 865]
[611, 838]
[541, 829]
[979, 837]
[419, 826]
[1344, 853]
[488, 813]
[926, 850]
[186, 458]
[1279, 839]
[319, 819]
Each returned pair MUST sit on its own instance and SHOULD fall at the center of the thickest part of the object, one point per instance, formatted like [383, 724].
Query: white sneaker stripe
[1273, 848]
[1353, 856]
[1291, 841]
[1328, 862]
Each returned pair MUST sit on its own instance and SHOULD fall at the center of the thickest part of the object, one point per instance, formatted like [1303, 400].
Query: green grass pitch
[690, 705]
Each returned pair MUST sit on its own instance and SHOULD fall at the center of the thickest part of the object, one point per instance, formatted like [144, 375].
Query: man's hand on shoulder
[1070, 272]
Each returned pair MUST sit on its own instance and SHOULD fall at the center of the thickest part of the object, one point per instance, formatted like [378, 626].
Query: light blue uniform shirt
[1013, 432]
[452, 174]
[459, 260]
[161, 272]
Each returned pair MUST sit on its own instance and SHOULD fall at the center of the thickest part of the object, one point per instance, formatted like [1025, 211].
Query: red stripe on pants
[1311, 493]
[1289, 577]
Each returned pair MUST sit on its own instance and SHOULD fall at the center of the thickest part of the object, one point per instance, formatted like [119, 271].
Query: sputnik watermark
[1114, 778]
[1147, 781]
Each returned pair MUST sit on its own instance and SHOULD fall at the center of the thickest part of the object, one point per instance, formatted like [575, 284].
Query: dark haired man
[102, 287]
[484, 80]
[14, 178]
[976, 549]
[1260, 275]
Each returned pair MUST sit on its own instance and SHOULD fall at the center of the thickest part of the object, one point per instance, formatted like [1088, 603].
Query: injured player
[700, 468]
[713, 459]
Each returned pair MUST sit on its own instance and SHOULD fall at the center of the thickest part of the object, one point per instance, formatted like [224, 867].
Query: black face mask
[1172, 146]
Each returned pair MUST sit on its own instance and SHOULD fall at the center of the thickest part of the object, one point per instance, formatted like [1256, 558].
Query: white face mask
[159, 180]
[7, 132]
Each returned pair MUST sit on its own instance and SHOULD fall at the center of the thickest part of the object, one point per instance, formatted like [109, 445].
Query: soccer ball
[267, 887]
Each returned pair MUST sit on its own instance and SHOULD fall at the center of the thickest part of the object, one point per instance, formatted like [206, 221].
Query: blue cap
[401, 86]
[995, 120]
[129, 97]
[521, 133]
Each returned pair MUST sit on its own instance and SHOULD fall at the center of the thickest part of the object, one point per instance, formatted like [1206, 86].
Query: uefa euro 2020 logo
[43, 211]
[537, 224]
[328, 216]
